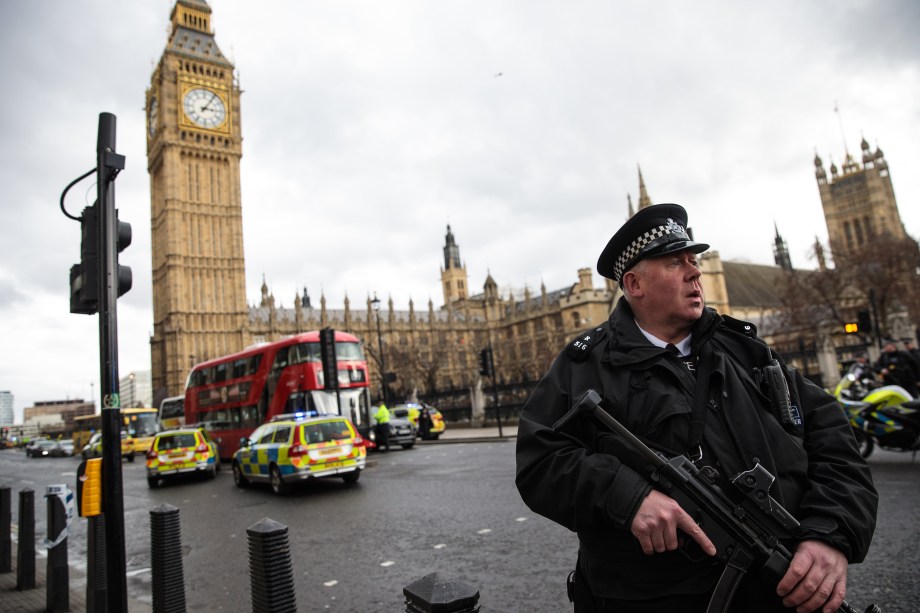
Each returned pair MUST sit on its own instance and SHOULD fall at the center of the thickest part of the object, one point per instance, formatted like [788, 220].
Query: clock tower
[194, 147]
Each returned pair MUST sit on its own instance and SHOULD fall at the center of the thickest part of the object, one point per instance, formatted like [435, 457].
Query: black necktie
[673, 349]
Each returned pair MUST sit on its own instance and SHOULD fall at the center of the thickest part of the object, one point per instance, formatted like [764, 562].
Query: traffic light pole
[108, 164]
[498, 413]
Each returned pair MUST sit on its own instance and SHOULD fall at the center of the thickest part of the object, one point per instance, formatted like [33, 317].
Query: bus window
[254, 362]
[348, 351]
[239, 369]
[249, 417]
[308, 352]
[300, 402]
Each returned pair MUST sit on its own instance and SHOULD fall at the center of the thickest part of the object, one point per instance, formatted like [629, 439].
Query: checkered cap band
[650, 239]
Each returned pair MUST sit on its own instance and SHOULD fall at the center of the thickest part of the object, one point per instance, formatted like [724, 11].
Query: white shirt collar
[683, 346]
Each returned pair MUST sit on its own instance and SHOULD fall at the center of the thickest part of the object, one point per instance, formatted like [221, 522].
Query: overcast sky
[370, 126]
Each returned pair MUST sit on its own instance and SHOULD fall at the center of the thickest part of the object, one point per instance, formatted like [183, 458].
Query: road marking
[387, 563]
[139, 571]
[484, 531]
[440, 546]
[521, 519]
[330, 583]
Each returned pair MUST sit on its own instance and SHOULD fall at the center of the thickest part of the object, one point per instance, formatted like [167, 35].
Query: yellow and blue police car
[296, 447]
[182, 451]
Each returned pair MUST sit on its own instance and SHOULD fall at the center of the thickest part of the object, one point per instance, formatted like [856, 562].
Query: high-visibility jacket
[382, 415]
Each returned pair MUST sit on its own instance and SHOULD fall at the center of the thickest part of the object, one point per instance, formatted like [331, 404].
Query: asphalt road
[446, 508]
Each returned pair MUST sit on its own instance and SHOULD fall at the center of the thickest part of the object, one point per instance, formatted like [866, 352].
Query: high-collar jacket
[583, 478]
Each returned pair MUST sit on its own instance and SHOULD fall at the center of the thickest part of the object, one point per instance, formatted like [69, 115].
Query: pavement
[485, 434]
[35, 600]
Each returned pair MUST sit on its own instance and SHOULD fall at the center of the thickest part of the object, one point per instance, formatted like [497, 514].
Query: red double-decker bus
[233, 395]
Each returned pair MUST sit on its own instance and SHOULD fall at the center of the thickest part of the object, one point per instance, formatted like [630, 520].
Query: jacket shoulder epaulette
[579, 348]
[741, 327]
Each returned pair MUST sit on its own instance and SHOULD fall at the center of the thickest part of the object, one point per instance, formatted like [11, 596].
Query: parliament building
[200, 310]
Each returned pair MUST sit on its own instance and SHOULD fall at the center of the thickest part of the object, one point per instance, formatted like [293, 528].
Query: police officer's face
[667, 290]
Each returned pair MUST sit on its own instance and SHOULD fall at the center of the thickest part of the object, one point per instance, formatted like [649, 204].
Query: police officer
[382, 415]
[898, 367]
[686, 380]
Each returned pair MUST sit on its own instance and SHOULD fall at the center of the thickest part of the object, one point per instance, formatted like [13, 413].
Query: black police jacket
[584, 479]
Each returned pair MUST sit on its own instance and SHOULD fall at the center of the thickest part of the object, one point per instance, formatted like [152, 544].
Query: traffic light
[122, 240]
[84, 277]
[89, 487]
[485, 362]
[329, 359]
[863, 322]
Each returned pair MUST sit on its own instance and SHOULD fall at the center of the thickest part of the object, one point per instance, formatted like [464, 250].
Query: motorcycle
[883, 415]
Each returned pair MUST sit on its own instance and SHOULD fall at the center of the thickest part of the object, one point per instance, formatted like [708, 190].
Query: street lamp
[375, 303]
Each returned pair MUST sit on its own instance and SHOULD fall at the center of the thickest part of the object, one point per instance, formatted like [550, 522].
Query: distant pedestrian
[383, 427]
[424, 423]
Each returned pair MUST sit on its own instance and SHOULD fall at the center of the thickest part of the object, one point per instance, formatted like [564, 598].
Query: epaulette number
[582, 345]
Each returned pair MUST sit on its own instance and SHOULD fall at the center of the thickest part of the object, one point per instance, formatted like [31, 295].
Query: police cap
[653, 231]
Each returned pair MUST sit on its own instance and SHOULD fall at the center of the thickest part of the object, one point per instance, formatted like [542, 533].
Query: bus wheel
[238, 477]
[278, 485]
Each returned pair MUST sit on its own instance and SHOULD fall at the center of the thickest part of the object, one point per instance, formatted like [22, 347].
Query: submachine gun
[747, 534]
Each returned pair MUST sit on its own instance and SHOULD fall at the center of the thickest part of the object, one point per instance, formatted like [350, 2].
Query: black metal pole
[383, 368]
[25, 553]
[107, 166]
[57, 573]
[6, 525]
[876, 336]
[498, 412]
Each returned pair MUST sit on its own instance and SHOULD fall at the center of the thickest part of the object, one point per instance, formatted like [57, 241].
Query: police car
[412, 412]
[297, 447]
[182, 451]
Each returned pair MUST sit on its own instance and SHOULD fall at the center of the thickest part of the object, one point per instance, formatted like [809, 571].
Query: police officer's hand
[816, 579]
[656, 523]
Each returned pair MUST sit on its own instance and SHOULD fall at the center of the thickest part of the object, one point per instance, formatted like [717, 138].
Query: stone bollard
[435, 593]
[25, 553]
[95, 564]
[57, 574]
[6, 526]
[271, 575]
[168, 581]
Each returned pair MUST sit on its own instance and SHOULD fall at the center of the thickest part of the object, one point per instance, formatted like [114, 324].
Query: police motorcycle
[883, 415]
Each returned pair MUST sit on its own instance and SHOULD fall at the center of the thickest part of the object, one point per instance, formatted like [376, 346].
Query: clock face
[153, 116]
[204, 107]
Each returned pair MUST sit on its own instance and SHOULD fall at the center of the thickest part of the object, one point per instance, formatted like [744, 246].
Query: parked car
[93, 449]
[412, 412]
[40, 448]
[288, 451]
[181, 452]
[62, 448]
[401, 431]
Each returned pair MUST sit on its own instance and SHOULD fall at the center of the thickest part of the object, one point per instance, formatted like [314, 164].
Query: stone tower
[454, 279]
[781, 251]
[859, 203]
[194, 147]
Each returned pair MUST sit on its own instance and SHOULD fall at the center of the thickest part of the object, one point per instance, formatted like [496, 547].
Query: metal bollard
[6, 525]
[434, 593]
[168, 581]
[95, 564]
[25, 553]
[57, 577]
[271, 575]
